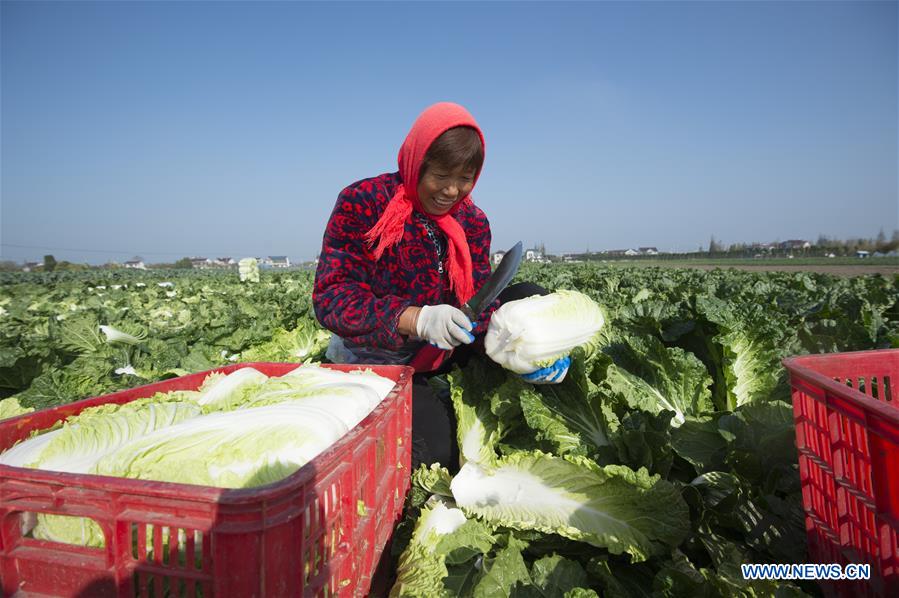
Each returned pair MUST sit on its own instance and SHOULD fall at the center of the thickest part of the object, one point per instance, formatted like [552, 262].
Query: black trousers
[433, 418]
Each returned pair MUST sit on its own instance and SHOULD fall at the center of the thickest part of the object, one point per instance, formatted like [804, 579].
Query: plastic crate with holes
[318, 532]
[846, 410]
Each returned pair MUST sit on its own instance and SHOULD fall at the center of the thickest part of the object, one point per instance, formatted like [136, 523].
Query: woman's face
[442, 188]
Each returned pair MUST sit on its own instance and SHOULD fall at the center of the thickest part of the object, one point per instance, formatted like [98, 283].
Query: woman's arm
[342, 297]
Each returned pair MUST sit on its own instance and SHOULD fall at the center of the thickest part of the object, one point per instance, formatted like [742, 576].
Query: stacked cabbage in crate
[239, 430]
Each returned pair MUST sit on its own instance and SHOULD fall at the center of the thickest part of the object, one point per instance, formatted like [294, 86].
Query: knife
[430, 357]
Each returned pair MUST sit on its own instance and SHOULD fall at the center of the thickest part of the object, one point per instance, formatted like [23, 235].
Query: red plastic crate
[303, 536]
[846, 409]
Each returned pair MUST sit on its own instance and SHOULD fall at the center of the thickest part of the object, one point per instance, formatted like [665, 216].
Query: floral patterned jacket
[360, 300]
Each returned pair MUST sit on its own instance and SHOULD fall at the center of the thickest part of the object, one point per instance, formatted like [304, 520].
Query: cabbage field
[662, 462]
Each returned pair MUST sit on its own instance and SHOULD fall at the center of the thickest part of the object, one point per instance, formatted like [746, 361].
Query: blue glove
[552, 374]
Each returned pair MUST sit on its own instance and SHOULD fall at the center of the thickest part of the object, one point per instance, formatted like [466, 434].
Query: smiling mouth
[444, 203]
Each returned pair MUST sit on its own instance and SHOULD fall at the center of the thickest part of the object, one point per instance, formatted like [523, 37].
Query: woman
[401, 252]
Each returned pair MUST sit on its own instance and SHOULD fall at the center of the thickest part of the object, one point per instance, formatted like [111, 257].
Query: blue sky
[227, 129]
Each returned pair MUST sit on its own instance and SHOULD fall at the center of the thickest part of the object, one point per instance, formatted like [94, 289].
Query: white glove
[444, 326]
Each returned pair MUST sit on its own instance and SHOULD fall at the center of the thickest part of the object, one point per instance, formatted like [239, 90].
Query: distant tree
[715, 246]
[8, 266]
[892, 244]
[49, 263]
[65, 266]
[184, 263]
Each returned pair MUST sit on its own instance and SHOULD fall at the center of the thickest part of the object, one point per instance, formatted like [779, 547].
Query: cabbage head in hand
[538, 333]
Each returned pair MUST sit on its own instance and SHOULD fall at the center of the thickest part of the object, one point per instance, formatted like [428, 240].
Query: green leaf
[505, 574]
[555, 575]
[570, 415]
[622, 580]
[611, 507]
[700, 442]
[655, 378]
[81, 334]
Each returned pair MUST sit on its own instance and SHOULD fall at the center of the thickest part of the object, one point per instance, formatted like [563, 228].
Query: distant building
[533, 255]
[29, 266]
[648, 251]
[279, 261]
[862, 253]
[795, 244]
[497, 257]
[200, 262]
[135, 264]
[224, 261]
[631, 252]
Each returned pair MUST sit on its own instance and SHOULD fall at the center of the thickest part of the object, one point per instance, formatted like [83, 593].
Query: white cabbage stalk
[117, 336]
[85, 438]
[421, 568]
[529, 334]
[235, 449]
[610, 507]
[316, 375]
[249, 387]
[217, 390]
[28, 451]
[440, 519]
[349, 402]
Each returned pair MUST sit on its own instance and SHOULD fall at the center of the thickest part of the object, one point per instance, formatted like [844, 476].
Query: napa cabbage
[443, 536]
[248, 269]
[235, 449]
[83, 439]
[528, 334]
[218, 389]
[81, 442]
[11, 407]
[610, 507]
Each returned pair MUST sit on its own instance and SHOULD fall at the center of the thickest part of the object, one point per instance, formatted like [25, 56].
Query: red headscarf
[388, 231]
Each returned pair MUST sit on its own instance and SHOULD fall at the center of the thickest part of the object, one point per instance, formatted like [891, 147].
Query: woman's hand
[552, 374]
[443, 326]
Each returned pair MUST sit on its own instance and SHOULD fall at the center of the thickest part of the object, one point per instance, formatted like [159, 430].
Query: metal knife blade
[495, 285]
